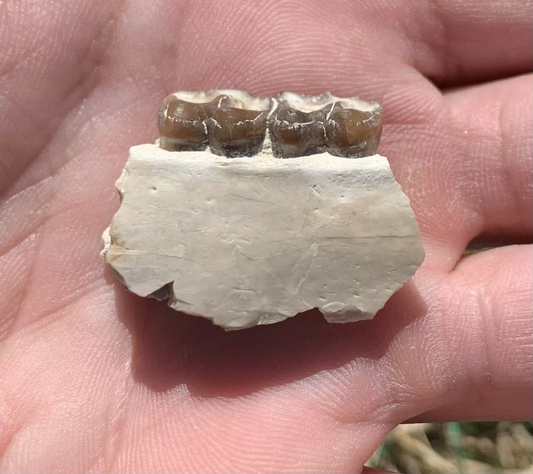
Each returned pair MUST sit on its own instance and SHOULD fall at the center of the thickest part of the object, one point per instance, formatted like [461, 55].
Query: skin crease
[94, 379]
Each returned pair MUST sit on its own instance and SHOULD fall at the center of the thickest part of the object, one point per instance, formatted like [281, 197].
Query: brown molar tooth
[296, 125]
[181, 125]
[236, 123]
[353, 128]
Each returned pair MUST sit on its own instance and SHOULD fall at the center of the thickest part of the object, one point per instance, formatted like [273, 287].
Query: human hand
[94, 379]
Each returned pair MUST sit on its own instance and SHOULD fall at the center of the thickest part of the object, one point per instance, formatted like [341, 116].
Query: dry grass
[453, 448]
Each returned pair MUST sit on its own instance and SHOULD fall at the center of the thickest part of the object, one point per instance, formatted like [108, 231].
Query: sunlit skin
[94, 379]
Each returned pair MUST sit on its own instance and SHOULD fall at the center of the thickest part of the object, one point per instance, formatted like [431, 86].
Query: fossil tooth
[296, 125]
[233, 123]
[236, 124]
[353, 128]
[181, 125]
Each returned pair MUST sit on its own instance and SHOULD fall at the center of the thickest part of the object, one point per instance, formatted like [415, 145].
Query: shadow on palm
[172, 348]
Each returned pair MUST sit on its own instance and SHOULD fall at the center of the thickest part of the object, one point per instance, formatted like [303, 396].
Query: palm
[95, 379]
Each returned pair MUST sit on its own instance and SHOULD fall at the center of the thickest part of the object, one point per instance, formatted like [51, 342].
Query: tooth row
[233, 123]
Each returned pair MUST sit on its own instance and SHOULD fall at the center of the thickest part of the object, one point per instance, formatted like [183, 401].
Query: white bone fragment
[248, 241]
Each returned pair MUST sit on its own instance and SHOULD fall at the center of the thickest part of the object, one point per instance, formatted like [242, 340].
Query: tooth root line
[234, 123]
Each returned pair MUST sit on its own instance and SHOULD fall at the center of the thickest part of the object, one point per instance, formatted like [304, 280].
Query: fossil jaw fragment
[233, 123]
[245, 242]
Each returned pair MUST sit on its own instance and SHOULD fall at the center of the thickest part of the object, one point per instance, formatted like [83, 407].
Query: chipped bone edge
[335, 312]
[166, 292]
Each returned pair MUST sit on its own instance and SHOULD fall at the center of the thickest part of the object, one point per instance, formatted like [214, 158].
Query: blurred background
[452, 448]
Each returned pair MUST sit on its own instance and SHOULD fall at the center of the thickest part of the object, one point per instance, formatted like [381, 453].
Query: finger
[449, 41]
[492, 129]
[459, 42]
[468, 172]
[485, 370]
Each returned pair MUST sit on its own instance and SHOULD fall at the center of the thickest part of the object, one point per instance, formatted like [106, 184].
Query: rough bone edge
[245, 242]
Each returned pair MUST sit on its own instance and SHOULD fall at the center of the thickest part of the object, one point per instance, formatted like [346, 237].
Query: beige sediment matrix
[250, 210]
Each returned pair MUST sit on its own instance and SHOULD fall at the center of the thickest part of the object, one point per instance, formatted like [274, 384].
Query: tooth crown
[233, 123]
[235, 129]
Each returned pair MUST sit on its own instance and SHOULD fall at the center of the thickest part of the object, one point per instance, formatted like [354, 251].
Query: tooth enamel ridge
[235, 124]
